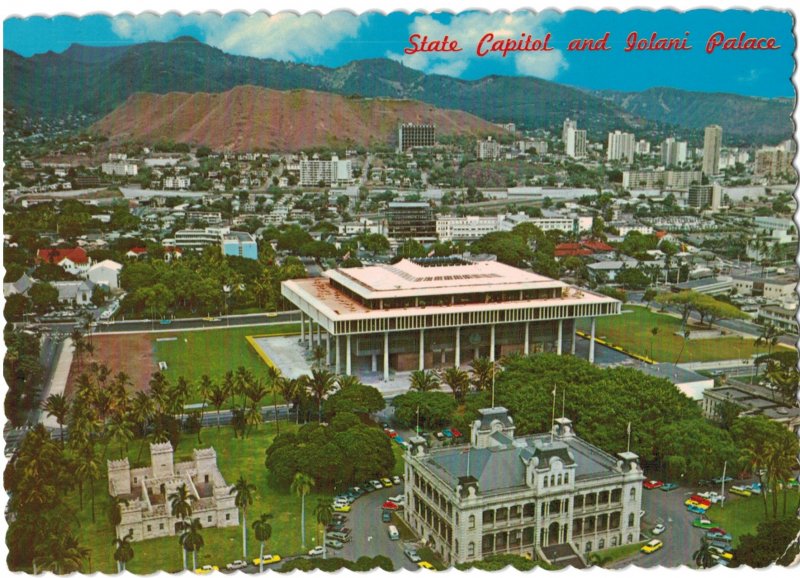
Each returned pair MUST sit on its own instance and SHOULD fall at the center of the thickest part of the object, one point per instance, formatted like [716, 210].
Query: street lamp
[226, 289]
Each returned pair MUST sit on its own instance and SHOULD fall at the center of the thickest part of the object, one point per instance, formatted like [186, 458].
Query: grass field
[214, 352]
[742, 516]
[632, 332]
[223, 545]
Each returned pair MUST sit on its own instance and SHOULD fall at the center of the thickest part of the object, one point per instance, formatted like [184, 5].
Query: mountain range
[248, 118]
[93, 81]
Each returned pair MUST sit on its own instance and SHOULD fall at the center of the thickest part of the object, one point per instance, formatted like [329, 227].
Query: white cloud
[469, 28]
[282, 36]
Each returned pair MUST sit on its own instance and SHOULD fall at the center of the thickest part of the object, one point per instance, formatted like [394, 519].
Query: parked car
[413, 556]
[399, 440]
[426, 565]
[456, 433]
[387, 483]
[439, 436]
[341, 536]
[710, 535]
[377, 485]
[368, 487]
[447, 433]
[720, 479]
[652, 484]
[335, 544]
[341, 508]
[398, 499]
[394, 534]
[755, 488]
[696, 509]
[236, 565]
[741, 491]
[712, 497]
[668, 487]
[652, 546]
[397, 480]
[386, 516]
[659, 529]
[207, 569]
[703, 522]
[268, 559]
[725, 555]
[316, 551]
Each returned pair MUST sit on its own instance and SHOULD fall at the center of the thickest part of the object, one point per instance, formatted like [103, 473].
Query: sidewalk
[58, 381]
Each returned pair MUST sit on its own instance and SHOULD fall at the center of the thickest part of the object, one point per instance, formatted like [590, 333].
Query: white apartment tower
[621, 146]
[568, 124]
[673, 152]
[712, 146]
[575, 143]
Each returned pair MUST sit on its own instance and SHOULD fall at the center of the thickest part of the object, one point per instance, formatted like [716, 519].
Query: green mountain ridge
[95, 80]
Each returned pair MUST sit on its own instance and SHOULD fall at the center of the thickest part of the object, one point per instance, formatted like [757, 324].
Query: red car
[652, 484]
[390, 432]
[455, 432]
[702, 501]
[717, 530]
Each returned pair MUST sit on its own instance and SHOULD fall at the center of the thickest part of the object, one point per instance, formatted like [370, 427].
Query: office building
[575, 143]
[231, 243]
[440, 312]
[567, 126]
[712, 147]
[774, 162]
[411, 135]
[314, 172]
[545, 496]
[705, 196]
[410, 220]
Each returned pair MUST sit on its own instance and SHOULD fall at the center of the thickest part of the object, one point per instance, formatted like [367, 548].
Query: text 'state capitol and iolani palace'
[434, 313]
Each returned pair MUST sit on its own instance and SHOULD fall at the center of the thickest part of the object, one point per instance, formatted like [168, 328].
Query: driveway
[680, 539]
[370, 536]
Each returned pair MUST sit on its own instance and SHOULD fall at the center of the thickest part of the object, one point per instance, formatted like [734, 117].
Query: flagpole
[629, 437]
[492, 385]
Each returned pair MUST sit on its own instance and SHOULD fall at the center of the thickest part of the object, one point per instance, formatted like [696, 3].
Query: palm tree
[244, 498]
[57, 405]
[123, 551]
[768, 337]
[275, 378]
[653, 332]
[324, 513]
[256, 391]
[263, 531]
[115, 511]
[241, 382]
[192, 539]
[120, 430]
[62, 554]
[424, 380]
[458, 381]
[301, 486]
[158, 390]
[206, 385]
[702, 557]
[143, 410]
[321, 383]
[218, 395]
[783, 379]
[87, 467]
[289, 390]
[686, 335]
[318, 354]
[181, 507]
[483, 370]
[754, 459]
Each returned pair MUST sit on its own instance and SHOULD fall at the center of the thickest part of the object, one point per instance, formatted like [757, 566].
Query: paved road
[370, 536]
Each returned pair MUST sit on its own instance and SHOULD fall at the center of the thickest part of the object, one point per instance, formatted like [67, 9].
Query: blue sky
[340, 37]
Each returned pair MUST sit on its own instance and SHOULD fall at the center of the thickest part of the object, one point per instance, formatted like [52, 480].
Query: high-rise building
[673, 152]
[332, 172]
[712, 146]
[568, 124]
[700, 196]
[621, 146]
[643, 147]
[411, 220]
[575, 143]
[411, 135]
[773, 161]
[488, 149]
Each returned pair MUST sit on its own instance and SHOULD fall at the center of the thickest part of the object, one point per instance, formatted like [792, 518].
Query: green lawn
[213, 352]
[222, 545]
[632, 332]
[742, 515]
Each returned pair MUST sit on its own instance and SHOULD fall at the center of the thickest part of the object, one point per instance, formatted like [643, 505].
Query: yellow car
[652, 546]
[741, 490]
[207, 569]
[386, 482]
[720, 552]
[271, 314]
[426, 565]
[269, 559]
[342, 508]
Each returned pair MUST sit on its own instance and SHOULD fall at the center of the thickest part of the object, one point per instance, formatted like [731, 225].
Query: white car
[376, 484]
[396, 480]
[659, 529]
[713, 497]
[236, 565]
[315, 551]
[398, 499]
